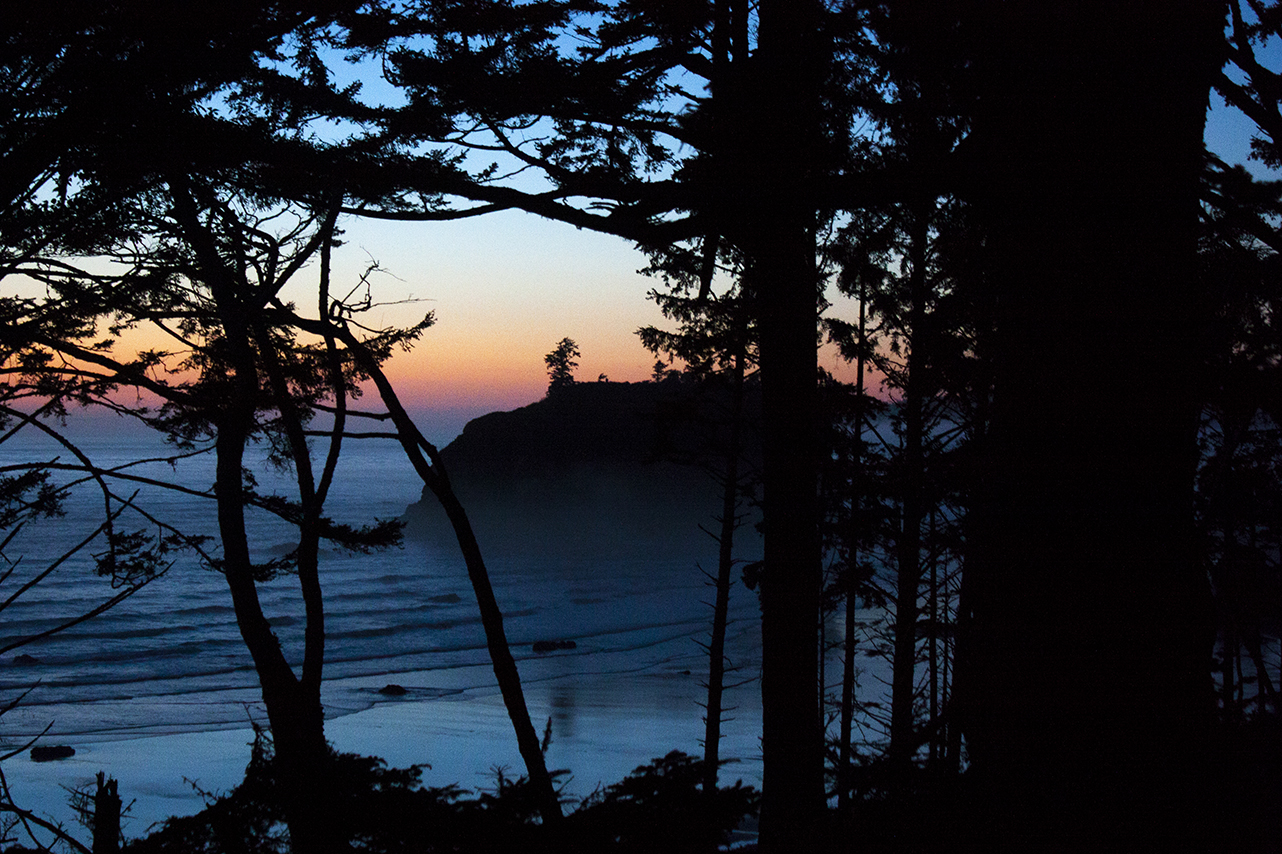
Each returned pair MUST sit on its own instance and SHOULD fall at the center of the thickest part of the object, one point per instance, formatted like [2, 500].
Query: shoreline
[609, 715]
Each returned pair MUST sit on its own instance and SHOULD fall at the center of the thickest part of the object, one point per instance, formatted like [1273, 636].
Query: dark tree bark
[427, 463]
[846, 724]
[783, 157]
[725, 566]
[1089, 698]
[903, 740]
[294, 710]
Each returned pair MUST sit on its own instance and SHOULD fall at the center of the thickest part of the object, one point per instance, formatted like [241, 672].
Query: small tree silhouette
[561, 363]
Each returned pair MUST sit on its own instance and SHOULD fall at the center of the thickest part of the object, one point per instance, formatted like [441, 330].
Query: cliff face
[614, 468]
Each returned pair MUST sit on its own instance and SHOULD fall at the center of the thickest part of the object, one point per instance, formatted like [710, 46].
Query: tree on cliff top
[561, 363]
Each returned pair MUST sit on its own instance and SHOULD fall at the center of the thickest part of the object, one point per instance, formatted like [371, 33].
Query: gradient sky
[507, 287]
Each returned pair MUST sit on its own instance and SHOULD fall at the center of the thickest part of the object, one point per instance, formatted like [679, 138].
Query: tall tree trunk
[1091, 691]
[784, 156]
[725, 565]
[974, 526]
[293, 713]
[932, 658]
[844, 781]
[294, 710]
[903, 742]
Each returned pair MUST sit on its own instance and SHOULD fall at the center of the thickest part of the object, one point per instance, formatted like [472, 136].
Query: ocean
[167, 666]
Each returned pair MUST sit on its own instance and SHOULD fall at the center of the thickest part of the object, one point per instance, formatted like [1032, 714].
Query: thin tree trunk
[903, 742]
[294, 711]
[505, 671]
[945, 681]
[1265, 692]
[954, 704]
[933, 640]
[973, 551]
[856, 503]
[427, 462]
[725, 565]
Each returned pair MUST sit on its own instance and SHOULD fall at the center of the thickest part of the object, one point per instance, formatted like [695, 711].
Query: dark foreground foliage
[659, 807]
[1232, 808]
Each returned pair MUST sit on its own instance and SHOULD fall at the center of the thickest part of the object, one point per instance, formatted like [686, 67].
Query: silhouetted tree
[707, 131]
[1085, 156]
[853, 527]
[244, 377]
[334, 323]
[561, 363]
[206, 267]
[1237, 484]
[189, 200]
[714, 342]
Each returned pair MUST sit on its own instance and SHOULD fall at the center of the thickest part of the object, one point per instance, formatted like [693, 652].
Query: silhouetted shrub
[659, 807]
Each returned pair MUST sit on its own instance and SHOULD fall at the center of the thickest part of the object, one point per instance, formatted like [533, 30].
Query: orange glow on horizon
[466, 371]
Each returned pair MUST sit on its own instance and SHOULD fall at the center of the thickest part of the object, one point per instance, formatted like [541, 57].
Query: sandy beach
[161, 691]
[608, 716]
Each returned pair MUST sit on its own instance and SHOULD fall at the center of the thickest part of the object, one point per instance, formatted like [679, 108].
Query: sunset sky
[507, 287]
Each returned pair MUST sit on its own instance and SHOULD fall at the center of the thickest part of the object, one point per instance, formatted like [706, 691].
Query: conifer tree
[714, 342]
[561, 363]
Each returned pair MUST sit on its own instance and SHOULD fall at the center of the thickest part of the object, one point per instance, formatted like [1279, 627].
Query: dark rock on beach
[25, 660]
[393, 690]
[51, 752]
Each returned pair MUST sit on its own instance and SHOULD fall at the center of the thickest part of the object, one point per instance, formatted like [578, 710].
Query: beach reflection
[562, 701]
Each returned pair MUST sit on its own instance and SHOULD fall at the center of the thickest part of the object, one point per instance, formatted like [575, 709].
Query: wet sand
[610, 713]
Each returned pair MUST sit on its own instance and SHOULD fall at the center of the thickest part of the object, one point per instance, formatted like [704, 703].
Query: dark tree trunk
[505, 672]
[1090, 695]
[427, 463]
[903, 741]
[848, 647]
[725, 566]
[955, 687]
[294, 710]
[784, 156]
[932, 658]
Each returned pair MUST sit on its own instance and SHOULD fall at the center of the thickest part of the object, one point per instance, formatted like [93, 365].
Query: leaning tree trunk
[427, 463]
[1090, 694]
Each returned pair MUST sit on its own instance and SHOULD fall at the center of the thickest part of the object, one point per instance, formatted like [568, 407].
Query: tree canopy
[1069, 304]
